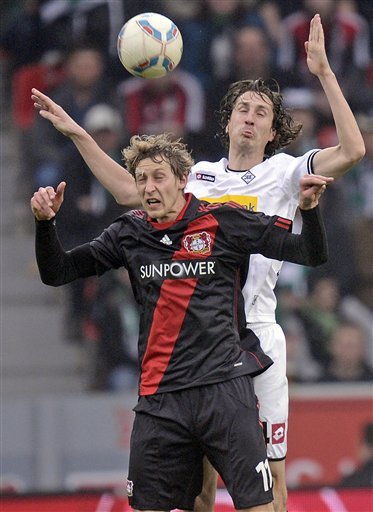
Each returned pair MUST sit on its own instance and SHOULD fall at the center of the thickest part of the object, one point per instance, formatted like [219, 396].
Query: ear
[272, 135]
[182, 182]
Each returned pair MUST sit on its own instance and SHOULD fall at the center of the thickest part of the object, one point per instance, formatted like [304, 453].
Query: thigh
[165, 466]
[271, 389]
[234, 443]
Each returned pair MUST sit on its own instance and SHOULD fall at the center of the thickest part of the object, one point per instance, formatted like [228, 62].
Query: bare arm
[337, 160]
[111, 174]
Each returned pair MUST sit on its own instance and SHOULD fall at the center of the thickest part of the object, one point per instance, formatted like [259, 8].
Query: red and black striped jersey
[185, 277]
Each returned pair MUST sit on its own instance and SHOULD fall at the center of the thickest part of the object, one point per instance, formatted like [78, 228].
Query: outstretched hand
[317, 60]
[55, 114]
[312, 186]
[46, 202]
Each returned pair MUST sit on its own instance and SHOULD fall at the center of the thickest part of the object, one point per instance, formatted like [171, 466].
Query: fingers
[60, 190]
[46, 195]
[41, 101]
[316, 30]
[310, 180]
[42, 203]
[39, 95]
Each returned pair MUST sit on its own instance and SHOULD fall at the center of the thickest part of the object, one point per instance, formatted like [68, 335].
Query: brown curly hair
[158, 147]
[286, 128]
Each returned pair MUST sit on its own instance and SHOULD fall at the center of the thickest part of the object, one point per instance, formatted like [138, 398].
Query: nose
[149, 187]
[249, 118]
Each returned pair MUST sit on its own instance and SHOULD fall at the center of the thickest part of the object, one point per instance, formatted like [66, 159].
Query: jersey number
[263, 467]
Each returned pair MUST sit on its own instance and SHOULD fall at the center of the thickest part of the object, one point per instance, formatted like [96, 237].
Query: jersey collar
[189, 209]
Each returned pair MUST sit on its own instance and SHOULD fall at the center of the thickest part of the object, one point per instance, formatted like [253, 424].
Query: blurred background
[69, 367]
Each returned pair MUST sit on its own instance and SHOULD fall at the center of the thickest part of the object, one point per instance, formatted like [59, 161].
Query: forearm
[56, 266]
[111, 175]
[335, 161]
[310, 247]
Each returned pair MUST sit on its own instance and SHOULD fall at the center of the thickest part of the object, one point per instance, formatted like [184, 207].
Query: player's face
[250, 124]
[161, 191]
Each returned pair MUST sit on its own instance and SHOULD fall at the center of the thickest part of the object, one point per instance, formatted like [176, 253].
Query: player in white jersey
[254, 125]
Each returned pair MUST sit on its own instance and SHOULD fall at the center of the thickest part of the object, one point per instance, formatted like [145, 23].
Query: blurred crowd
[67, 49]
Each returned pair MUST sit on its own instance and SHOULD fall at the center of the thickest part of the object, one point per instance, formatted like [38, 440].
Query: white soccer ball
[150, 45]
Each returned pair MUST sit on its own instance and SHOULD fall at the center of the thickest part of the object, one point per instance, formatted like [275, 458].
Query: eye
[159, 177]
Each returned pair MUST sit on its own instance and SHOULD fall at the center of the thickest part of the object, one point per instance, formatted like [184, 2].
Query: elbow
[356, 153]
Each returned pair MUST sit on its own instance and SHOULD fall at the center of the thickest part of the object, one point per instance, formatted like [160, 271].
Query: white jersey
[271, 187]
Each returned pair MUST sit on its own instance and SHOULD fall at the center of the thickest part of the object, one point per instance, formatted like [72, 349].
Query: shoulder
[279, 159]
[215, 167]
[230, 208]
[129, 218]
[285, 162]
[134, 214]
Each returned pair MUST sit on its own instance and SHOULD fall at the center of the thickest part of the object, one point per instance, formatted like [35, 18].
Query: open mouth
[152, 202]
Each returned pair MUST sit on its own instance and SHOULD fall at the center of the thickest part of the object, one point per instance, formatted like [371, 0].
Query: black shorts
[173, 431]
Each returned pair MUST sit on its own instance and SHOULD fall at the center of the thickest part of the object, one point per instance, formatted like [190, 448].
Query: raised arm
[111, 174]
[337, 160]
[56, 266]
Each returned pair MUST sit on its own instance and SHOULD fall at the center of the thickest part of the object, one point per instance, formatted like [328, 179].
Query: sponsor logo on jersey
[249, 202]
[248, 177]
[278, 433]
[198, 243]
[166, 240]
[177, 270]
[205, 177]
[129, 488]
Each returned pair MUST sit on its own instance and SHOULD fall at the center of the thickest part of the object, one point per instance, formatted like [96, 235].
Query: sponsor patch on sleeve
[278, 433]
[205, 177]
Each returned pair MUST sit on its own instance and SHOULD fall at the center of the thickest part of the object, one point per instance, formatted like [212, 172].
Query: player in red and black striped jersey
[184, 256]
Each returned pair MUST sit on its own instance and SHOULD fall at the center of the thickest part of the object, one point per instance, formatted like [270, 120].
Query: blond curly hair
[158, 147]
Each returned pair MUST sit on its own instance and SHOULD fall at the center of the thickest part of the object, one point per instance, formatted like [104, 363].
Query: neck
[243, 159]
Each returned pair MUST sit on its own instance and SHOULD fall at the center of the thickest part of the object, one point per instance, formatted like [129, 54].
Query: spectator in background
[251, 58]
[341, 266]
[252, 53]
[319, 316]
[301, 102]
[89, 208]
[174, 103]
[23, 38]
[363, 476]
[94, 23]
[347, 45]
[85, 85]
[360, 186]
[347, 360]
[114, 318]
[300, 366]
[208, 46]
[48, 72]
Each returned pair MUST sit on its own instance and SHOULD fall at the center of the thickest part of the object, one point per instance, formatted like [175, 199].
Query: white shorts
[271, 389]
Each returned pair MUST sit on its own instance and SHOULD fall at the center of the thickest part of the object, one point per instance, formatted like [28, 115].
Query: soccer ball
[150, 45]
